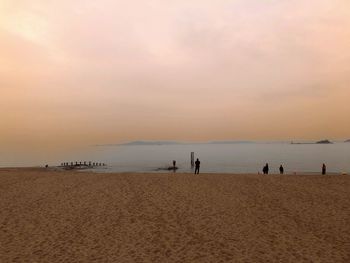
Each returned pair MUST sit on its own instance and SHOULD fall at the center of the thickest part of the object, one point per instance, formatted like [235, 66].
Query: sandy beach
[68, 216]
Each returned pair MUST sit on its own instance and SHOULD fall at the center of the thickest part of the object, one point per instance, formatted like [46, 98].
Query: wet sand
[68, 216]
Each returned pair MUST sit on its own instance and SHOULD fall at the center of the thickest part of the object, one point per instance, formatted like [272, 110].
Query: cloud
[190, 61]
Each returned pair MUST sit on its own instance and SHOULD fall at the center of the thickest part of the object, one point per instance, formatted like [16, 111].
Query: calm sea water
[215, 158]
[226, 158]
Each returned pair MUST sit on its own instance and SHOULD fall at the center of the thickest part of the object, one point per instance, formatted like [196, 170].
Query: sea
[237, 157]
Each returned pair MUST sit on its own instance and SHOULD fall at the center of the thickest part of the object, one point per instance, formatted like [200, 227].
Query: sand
[55, 216]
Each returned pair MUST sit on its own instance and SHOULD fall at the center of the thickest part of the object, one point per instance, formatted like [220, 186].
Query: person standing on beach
[197, 163]
[281, 169]
[324, 169]
[266, 169]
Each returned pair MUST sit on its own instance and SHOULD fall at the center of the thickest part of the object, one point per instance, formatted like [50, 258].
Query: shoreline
[106, 171]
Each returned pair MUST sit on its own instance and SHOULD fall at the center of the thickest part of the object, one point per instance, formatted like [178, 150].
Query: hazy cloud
[156, 69]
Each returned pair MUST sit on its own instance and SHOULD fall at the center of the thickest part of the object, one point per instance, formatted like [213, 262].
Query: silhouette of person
[281, 169]
[197, 163]
[324, 169]
[266, 169]
[174, 164]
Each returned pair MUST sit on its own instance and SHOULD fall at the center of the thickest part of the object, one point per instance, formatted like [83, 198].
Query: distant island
[181, 143]
[157, 143]
[151, 143]
[324, 142]
[319, 142]
[229, 142]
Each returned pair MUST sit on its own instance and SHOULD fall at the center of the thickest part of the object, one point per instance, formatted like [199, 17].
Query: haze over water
[230, 158]
[215, 158]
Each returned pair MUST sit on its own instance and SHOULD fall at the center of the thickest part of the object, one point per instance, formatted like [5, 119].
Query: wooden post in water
[192, 159]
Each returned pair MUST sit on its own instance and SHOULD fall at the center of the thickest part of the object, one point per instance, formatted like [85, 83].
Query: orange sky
[93, 72]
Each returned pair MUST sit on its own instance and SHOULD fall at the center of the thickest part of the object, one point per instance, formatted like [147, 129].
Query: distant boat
[324, 142]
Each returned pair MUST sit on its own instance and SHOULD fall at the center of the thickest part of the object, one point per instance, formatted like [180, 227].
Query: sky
[94, 72]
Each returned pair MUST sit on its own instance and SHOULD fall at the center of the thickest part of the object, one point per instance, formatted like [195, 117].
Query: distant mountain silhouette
[324, 142]
[151, 143]
[319, 142]
[229, 142]
[347, 140]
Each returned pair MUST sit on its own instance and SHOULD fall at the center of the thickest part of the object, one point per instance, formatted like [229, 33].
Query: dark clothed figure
[197, 163]
[324, 169]
[281, 169]
[266, 169]
[174, 163]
